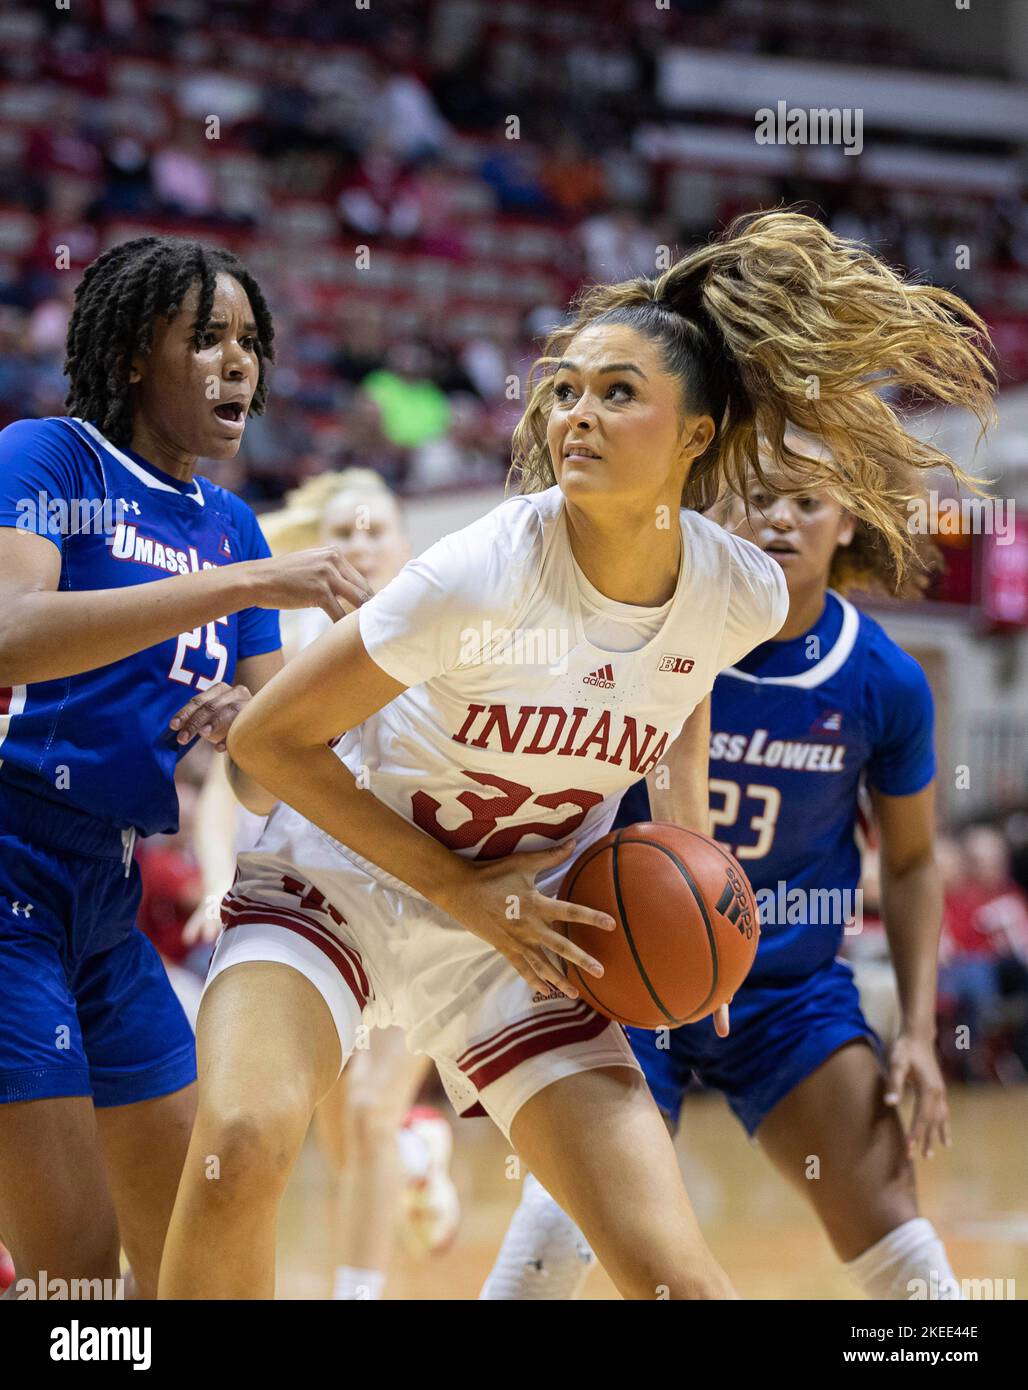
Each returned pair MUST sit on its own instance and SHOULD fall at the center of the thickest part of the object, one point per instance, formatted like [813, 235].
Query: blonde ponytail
[780, 322]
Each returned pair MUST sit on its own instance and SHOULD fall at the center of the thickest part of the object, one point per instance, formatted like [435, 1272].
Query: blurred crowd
[300, 133]
[983, 953]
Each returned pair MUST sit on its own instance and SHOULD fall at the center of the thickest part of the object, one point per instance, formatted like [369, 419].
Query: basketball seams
[698, 897]
[628, 932]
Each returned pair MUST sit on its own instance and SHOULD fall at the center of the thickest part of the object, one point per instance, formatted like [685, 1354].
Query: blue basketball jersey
[796, 727]
[100, 741]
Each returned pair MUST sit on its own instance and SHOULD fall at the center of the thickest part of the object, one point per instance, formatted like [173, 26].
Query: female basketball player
[360, 1123]
[798, 726]
[474, 708]
[166, 357]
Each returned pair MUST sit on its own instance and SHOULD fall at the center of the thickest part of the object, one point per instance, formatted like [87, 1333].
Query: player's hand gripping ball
[687, 924]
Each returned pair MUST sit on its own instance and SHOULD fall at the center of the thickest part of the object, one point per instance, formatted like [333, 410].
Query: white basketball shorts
[381, 955]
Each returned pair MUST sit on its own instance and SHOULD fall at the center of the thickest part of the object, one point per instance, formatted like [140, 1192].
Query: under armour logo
[22, 909]
[128, 506]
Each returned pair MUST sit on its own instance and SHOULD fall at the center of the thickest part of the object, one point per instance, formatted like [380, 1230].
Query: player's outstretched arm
[281, 738]
[46, 633]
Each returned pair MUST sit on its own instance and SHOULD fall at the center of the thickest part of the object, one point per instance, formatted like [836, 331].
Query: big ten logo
[677, 665]
[734, 903]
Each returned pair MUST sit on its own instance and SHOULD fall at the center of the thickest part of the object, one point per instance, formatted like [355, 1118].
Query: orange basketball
[687, 924]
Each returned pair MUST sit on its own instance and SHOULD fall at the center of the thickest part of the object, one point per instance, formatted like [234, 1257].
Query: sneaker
[429, 1205]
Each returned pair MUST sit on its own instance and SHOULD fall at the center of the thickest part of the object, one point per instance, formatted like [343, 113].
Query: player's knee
[858, 1213]
[251, 1150]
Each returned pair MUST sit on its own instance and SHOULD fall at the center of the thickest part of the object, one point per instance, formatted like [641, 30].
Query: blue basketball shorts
[85, 1004]
[781, 1032]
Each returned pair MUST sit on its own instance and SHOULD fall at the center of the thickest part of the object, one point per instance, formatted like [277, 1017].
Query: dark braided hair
[116, 303]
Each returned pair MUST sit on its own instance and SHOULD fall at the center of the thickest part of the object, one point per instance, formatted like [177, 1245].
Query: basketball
[687, 924]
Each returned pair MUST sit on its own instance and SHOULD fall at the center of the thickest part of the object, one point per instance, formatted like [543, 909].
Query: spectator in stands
[572, 176]
[403, 118]
[413, 408]
[985, 944]
[467, 453]
[381, 199]
[513, 172]
[361, 344]
[183, 181]
[617, 244]
[366, 442]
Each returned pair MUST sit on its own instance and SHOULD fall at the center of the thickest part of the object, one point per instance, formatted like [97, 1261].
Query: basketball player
[388, 1161]
[798, 726]
[471, 698]
[107, 678]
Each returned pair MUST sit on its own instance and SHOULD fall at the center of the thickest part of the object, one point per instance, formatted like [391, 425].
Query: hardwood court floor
[767, 1240]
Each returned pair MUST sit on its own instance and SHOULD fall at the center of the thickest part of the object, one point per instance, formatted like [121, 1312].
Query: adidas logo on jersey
[603, 677]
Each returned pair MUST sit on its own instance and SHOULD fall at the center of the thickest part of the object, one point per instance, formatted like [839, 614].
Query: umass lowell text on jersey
[100, 741]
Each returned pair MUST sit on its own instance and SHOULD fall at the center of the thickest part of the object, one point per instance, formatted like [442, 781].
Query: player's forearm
[678, 789]
[47, 635]
[314, 782]
[912, 911]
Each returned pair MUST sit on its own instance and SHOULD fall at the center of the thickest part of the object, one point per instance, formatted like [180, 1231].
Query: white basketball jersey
[516, 732]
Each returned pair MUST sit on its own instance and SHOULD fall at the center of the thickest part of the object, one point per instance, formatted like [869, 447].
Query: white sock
[543, 1256]
[353, 1283]
[910, 1262]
